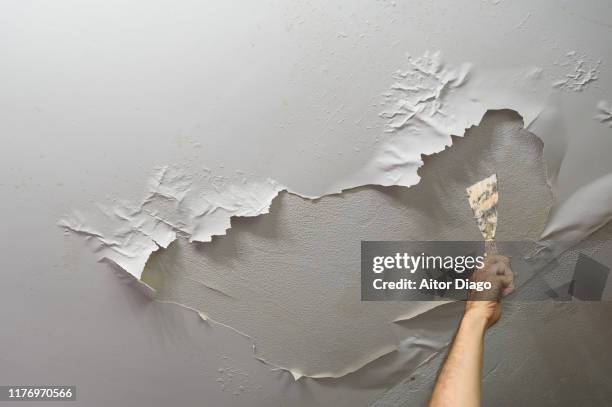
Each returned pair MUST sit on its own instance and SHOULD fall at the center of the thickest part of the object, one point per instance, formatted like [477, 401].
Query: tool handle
[490, 247]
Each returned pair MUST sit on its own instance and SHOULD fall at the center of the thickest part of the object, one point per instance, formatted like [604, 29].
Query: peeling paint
[289, 91]
[289, 278]
[581, 71]
[419, 93]
[604, 112]
[193, 206]
[428, 102]
[574, 221]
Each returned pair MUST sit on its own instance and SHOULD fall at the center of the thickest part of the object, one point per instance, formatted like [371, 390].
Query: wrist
[476, 319]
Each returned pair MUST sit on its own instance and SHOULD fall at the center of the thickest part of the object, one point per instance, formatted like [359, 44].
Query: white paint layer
[427, 103]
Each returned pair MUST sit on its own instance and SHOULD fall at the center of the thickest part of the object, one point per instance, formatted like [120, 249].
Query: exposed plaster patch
[290, 279]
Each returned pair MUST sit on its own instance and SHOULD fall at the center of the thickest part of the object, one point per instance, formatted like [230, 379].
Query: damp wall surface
[241, 101]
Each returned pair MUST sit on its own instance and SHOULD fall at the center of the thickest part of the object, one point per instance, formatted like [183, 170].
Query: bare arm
[458, 383]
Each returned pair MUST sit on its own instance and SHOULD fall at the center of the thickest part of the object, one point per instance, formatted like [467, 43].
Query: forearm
[458, 384]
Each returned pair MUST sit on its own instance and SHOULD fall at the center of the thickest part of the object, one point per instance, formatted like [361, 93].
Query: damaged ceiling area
[187, 186]
[290, 279]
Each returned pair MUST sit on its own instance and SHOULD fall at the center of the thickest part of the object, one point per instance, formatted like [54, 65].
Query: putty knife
[482, 197]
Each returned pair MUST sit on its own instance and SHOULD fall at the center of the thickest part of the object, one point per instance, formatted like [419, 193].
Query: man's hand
[486, 304]
[458, 384]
